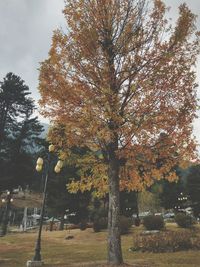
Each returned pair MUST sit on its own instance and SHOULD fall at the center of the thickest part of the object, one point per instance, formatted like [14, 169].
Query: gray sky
[25, 36]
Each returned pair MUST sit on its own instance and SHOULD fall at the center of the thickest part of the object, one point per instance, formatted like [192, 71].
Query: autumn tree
[118, 78]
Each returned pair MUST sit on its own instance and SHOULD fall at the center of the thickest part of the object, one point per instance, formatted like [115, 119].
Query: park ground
[86, 249]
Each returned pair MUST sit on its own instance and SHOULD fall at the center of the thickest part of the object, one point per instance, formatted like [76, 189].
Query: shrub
[183, 220]
[137, 221]
[152, 222]
[71, 226]
[104, 223]
[82, 226]
[89, 225]
[95, 214]
[100, 224]
[96, 226]
[166, 242]
[125, 225]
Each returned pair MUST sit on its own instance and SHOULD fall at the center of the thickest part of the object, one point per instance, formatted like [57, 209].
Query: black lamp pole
[37, 256]
[36, 261]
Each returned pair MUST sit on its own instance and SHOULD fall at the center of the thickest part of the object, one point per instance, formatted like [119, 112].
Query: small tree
[118, 78]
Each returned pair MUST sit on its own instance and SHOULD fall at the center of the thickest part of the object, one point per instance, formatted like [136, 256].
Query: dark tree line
[19, 133]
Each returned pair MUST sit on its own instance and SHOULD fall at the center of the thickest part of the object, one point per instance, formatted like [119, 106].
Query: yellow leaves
[148, 180]
[133, 88]
[98, 194]
[64, 155]
[156, 174]
[172, 177]
[93, 173]
[103, 134]
[184, 164]
[98, 183]
[73, 187]
[76, 186]
[100, 156]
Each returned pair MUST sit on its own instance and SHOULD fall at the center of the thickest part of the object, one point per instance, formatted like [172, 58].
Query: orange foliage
[121, 81]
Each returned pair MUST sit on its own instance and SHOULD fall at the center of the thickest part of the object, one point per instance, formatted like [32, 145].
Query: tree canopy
[122, 72]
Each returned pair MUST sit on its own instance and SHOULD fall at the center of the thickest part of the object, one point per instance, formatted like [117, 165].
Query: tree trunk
[51, 225]
[3, 119]
[24, 221]
[6, 217]
[61, 226]
[114, 238]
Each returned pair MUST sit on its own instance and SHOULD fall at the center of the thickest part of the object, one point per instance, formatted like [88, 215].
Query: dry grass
[86, 249]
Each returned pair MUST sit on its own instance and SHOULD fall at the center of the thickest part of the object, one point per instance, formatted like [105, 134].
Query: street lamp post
[7, 200]
[37, 260]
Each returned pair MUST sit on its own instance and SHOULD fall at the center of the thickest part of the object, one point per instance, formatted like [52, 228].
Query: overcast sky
[25, 36]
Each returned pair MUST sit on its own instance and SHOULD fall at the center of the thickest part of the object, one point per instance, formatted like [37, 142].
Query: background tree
[57, 199]
[13, 94]
[148, 201]
[61, 202]
[170, 193]
[24, 144]
[20, 134]
[116, 79]
[98, 208]
[193, 188]
[27, 132]
[128, 203]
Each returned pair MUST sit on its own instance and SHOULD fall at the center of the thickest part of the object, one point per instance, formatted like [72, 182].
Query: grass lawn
[85, 249]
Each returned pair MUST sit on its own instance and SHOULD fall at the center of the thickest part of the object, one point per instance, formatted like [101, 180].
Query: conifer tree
[20, 133]
[13, 94]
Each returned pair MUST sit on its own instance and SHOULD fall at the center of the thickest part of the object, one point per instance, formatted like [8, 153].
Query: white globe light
[51, 148]
[57, 169]
[60, 164]
[40, 161]
[38, 168]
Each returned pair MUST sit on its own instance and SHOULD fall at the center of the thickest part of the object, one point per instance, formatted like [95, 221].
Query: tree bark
[5, 220]
[61, 226]
[3, 119]
[114, 238]
[51, 225]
